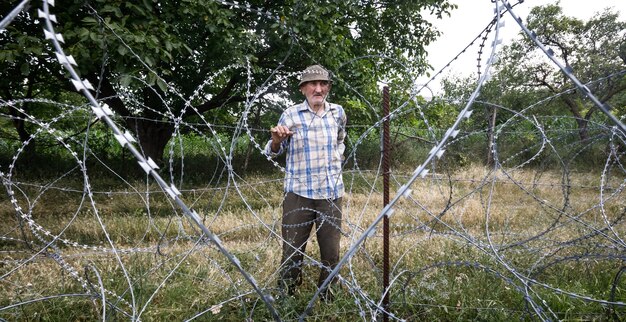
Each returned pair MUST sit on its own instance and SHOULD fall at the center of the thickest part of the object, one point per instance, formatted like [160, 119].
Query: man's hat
[314, 73]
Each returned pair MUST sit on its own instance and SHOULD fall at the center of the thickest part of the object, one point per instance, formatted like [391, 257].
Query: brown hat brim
[314, 73]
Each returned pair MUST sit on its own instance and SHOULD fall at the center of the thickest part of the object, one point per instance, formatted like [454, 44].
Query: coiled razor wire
[103, 112]
[419, 222]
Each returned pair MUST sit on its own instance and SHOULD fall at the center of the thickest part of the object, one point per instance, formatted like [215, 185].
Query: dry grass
[455, 220]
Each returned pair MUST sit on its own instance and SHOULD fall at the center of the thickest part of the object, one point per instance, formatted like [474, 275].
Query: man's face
[315, 92]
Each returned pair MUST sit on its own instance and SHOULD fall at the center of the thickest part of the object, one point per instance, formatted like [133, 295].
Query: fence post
[386, 149]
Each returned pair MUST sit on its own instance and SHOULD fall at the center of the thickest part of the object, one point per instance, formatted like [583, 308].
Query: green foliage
[524, 79]
[590, 48]
[148, 58]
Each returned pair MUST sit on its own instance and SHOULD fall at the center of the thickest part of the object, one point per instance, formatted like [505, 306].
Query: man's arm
[279, 134]
[276, 145]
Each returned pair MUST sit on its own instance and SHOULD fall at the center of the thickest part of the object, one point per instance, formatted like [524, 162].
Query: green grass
[437, 274]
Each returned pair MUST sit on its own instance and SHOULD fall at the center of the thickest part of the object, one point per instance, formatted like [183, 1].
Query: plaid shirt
[315, 151]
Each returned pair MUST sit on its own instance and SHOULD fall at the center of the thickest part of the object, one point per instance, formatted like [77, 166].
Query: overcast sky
[472, 16]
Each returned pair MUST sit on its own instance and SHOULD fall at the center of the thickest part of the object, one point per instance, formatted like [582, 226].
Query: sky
[472, 16]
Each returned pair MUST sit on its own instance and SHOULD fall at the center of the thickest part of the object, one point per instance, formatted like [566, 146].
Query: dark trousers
[299, 216]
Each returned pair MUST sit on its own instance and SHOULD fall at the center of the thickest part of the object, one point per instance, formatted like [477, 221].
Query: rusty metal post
[386, 149]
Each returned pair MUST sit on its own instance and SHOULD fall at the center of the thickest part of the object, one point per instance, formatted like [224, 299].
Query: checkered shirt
[314, 151]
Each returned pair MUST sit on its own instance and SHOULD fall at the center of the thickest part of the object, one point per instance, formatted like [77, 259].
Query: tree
[156, 61]
[593, 49]
[523, 75]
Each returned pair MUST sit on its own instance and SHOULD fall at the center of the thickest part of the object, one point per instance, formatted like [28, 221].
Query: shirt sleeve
[268, 149]
[283, 145]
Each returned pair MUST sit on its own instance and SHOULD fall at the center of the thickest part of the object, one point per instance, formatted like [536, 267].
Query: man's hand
[279, 134]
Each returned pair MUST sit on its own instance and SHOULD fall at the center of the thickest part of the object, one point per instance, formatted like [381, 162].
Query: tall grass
[460, 248]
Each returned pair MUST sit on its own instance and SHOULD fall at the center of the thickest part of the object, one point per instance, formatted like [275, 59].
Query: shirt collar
[305, 106]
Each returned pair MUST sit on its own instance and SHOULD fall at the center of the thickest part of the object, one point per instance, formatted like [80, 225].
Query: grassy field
[471, 245]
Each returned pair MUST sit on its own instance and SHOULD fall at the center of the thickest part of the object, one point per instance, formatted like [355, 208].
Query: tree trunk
[17, 118]
[583, 132]
[19, 124]
[20, 128]
[257, 121]
[581, 121]
[152, 137]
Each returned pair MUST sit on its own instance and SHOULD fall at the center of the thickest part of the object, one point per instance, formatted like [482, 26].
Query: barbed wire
[123, 247]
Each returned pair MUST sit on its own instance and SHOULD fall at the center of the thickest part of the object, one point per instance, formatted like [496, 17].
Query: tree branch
[220, 99]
